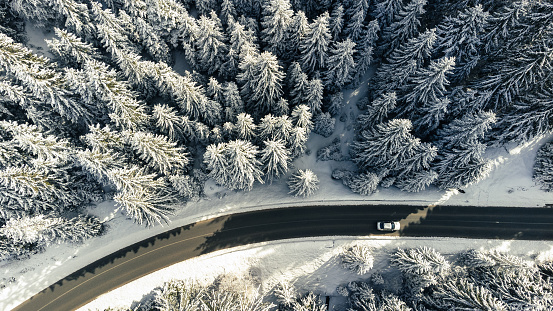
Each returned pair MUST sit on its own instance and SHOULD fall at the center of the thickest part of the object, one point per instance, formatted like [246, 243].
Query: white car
[388, 225]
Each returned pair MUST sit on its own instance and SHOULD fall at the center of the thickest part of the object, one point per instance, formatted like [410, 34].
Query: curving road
[233, 230]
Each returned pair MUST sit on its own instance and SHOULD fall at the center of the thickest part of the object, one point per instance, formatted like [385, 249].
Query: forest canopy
[103, 114]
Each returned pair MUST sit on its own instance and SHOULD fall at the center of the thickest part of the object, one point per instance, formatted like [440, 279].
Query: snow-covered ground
[308, 263]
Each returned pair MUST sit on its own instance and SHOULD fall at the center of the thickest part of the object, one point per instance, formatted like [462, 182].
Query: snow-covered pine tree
[206, 6]
[356, 13]
[247, 75]
[215, 90]
[424, 264]
[245, 128]
[357, 258]
[404, 61]
[335, 103]
[216, 162]
[461, 293]
[309, 301]
[302, 117]
[210, 43]
[42, 12]
[470, 127]
[460, 161]
[153, 44]
[232, 100]
[365, 50]
[315, 44]
[277, 20]
[460, 37]
[405, 26]
[336, 21]
[391, 145]
[228, 12]
[324, 124]
[504, 27]
[265, 84]
[286, 294]
[298, 84]
[314, 96]
[96, 82]
[386, 11]
[543, 167]
[112, 31]
[462, 165]
[296, 34]
[364, 183]
[171, 21]
[44, 230]
[430, 116]
[427, 86]
[71, 49]
[275, 159]
[297, 141]
[168, 122]
[243, 167]
[516, 73]
[40, 77]
[303, 182]
[377, 111]
[527, 117]
[158, 151]
[341, 65]
[145, 207]
[417, 181]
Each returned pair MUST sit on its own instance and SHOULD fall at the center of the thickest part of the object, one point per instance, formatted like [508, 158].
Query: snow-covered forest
[102, 114]
[415, 279]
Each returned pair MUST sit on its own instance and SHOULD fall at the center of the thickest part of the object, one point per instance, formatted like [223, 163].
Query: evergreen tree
[71, 49]
[304, 183]
[37, 75]
[228, 12]
[215, 90]
[46, 230]
[364, 183]
[461, 293]
[324, 124]
[386, 11]
[245, 127]
[391, 145]
[168, 121]
[405, 26]
[356, 14]
[301, 116]
[297, 33]
[519, 71]
[341, 66]
[460, 37]
[154, 45]
[145, 207]
[417, 181]
[427, 86]
[462, 165]
[543, 167]
[233, 102]
[357, 258]
[297, 141]
[377, 111]
[277, 19]
[335, 103]
[404, 61]
[314, 46]
[206, 6]
[275, 158]
[266, 84]
[422, 263]
[364, 56]
[243, 167]
[96, 82]
[336, 22]
[314, 96]
[469, 128]
[210, 43]
[158, 151]
[298, 84]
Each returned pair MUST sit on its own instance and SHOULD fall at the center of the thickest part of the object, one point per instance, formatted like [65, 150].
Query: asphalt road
[223, 232]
